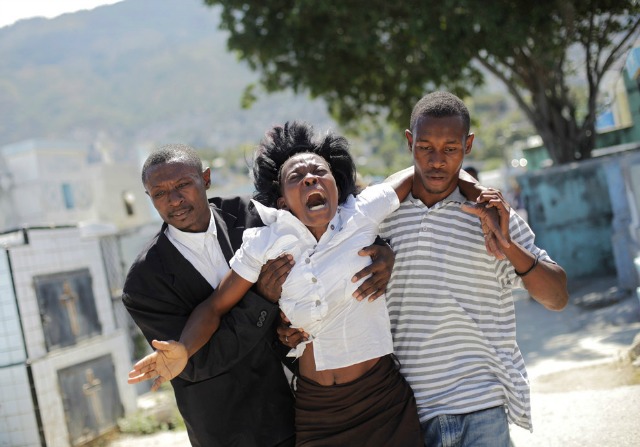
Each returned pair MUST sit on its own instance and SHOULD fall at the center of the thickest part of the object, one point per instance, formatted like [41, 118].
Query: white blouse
[317, 295]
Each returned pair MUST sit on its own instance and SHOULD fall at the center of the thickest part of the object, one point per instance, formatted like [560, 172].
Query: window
[67, 195]
[128, 198]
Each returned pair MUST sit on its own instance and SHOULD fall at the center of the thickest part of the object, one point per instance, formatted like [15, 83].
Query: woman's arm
[401, 182]
[171, 357]
[469, 186]
[205, 318]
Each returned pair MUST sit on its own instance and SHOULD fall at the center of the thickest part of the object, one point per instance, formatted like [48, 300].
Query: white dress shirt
[202, 250]
[317, 295]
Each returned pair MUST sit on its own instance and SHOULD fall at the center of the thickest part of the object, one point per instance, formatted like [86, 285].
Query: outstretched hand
[164, 364]
[493, 212]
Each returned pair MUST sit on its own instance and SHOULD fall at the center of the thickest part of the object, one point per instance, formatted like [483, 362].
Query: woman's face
[309, 191]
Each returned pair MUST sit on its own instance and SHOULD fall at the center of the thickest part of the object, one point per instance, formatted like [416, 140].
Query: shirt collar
[270, 215]
[456, 197]
[194, 241]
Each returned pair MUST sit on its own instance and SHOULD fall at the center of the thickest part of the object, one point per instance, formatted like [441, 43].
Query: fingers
[158, 383]
[494, 219]
[284, 319]
[145, 363]
[276, 270]
[372, 288]
[368, 270]
[142, 372]
[140, 377]
[492, 246]
[492, 223]
[163, 345]
[272, 275]
[149, 367]
[292, 337]
[378, 272]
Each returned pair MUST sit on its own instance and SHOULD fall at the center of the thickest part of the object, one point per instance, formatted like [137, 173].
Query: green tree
[378, 57]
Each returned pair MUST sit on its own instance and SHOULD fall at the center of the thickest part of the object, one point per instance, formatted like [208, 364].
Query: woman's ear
[281, 204]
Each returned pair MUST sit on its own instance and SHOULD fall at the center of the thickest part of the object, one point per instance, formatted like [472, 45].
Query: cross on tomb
[92, 389]
[69, 298]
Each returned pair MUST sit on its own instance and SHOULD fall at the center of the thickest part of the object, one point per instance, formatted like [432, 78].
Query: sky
[14, 10]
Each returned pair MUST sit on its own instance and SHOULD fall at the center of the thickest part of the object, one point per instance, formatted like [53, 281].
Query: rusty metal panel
[67, 307]
[91, 399]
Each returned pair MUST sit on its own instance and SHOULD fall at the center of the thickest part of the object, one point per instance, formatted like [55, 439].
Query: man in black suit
[233, 390]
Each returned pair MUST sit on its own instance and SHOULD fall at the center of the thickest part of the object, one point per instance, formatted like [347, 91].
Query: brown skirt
[377, 409]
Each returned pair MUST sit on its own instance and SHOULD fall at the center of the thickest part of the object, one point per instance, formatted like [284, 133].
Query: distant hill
[136, 72]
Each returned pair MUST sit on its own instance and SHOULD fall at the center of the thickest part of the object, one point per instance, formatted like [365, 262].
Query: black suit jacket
[233, 391]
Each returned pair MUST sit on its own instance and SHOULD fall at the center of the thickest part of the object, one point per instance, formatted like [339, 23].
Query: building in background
[63, 356]
[50, 182]
[71, 220]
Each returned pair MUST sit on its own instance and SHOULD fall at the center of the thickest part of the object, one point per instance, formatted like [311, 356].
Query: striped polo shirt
[452, 313]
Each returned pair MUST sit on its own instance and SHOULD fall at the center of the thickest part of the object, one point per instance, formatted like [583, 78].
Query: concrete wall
[586, 215]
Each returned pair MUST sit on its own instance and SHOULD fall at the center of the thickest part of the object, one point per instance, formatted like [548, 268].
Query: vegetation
[137, 73]
[366, 58]
[162, 415]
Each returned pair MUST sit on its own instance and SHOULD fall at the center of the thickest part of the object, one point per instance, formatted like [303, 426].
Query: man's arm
[546, 282]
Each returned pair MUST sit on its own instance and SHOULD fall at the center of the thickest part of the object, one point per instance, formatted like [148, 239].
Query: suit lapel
[223, 232]
[176, 268]
[173, 263]
[229, 232]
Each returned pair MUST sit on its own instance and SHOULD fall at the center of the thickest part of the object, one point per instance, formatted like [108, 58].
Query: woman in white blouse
[349, 390]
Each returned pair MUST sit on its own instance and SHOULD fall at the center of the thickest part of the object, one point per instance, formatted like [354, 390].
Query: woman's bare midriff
[331, 376]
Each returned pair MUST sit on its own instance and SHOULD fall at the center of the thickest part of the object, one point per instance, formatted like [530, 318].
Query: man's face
[178, 192]
[309, 191]
[438, 146]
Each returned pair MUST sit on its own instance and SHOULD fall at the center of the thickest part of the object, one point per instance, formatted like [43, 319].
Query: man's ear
[206, 176]
[469, 143]
[280, 203]
[409, 135]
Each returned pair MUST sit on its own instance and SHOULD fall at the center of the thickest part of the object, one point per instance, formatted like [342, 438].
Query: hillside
[136, 72]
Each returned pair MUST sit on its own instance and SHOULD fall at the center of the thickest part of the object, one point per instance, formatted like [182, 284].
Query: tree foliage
[378, 56]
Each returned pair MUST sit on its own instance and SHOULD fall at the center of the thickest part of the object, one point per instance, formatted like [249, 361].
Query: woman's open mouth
[316, 201]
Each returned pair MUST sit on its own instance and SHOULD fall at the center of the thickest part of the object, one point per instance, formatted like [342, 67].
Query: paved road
[579, 373]
[575, 360]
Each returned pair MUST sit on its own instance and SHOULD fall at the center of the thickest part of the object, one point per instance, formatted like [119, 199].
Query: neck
[430, 198]
[317, 232]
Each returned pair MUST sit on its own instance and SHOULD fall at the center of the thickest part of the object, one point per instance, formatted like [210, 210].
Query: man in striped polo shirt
[450, 302]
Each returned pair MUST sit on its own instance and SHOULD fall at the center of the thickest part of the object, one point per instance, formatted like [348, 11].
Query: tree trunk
[563, 138]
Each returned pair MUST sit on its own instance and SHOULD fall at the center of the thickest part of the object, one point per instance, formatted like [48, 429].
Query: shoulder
[149, 261]
[150, 249]
[240, 207]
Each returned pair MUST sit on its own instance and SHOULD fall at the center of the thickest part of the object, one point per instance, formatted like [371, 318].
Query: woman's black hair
[282, 142]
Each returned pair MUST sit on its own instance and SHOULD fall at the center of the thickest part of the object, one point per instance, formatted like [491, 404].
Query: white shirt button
[314, 279]
[307, 260]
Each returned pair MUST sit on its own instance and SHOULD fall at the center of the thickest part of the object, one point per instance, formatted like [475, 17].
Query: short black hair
[172, 152]
[282, 142]
[440, 105]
